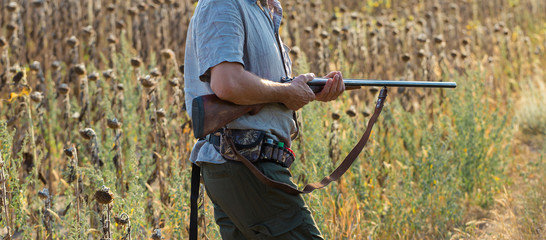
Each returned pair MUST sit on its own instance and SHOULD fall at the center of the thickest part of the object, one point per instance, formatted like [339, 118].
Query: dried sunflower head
[157, 234]
[12, 6]
[104, 195]
[11, 27]
[167, 53]
[142, 6]
[87, 133]
[136, 62]
[454, 53]
[88, 31]
[155, 73]
[108, 74]
[63, 89]
[113, 123]
[422, 37]
[36, 97]
[111, 7]
[80, 69]
[406, 57]
[69, 151]
[122, 219]
[38, 3]
[3, 42]
[181, 68]
[35, 66]
[465, 41]
[56, 65]
[93, 77]
[174, 82]
[43, 194]
[438, 39]
[120, 24]
[351, 112]
[160, 113]
[18, 77]
[112, 39]
[146, 81]
[132, 11]
[421, 53]
[72, 41]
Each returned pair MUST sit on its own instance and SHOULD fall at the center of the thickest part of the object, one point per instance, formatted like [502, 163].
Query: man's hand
[333, 87]
[299, 93]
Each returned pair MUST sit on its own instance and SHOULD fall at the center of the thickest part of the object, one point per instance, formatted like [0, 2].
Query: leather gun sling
[335, 175]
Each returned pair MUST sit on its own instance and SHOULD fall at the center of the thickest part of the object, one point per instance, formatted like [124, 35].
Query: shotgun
[210, 113]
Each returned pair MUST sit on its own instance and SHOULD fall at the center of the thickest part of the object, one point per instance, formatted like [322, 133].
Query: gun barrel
[385, 83]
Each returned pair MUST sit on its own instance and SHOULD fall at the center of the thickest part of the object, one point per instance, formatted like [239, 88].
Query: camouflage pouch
[248, 143]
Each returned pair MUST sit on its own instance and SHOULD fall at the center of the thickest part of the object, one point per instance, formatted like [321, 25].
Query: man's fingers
[337, 87]
[327, 87]
[340, 86]
[331, 74]
[332, 94]
[309, 77]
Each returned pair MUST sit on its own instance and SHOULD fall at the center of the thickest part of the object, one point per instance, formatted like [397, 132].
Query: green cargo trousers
[245, 208]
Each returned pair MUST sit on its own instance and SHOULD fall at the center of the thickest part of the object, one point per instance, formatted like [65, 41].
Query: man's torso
[261, 56]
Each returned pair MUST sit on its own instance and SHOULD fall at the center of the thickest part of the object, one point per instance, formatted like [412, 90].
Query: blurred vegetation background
[95, 138]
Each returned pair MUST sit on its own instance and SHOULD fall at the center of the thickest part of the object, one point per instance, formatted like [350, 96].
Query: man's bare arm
[231, 82]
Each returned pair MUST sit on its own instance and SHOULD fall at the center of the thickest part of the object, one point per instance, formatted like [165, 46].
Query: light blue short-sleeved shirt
[237, 31]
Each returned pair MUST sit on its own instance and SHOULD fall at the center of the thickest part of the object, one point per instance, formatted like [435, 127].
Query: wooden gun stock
[210, 113]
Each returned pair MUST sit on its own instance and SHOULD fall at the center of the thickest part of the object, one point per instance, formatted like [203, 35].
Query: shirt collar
[276, 11]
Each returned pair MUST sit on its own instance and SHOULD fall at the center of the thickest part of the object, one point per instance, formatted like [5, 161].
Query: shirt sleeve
[219, 34]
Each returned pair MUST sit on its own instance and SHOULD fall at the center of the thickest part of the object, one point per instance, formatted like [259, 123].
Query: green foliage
[419, 168]
[15, 187]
